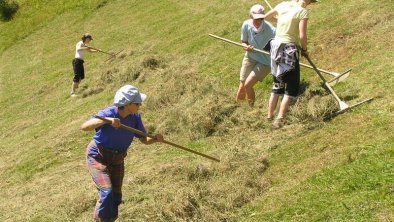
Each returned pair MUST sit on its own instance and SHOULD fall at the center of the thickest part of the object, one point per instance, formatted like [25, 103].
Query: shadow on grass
[8, 10]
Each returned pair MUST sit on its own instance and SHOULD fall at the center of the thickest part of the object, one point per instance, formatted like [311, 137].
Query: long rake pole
[266, 2]
[267, 53]
[111, 54]
[164, 141]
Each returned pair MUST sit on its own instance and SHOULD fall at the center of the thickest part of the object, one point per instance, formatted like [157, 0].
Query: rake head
[113, 56]
[339, 77]
[343, 107]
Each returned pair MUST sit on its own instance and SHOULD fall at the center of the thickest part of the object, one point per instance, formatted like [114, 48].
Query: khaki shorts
[254, 68]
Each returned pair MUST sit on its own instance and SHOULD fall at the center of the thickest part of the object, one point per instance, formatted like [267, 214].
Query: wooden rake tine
[113, 56]
[164, 141]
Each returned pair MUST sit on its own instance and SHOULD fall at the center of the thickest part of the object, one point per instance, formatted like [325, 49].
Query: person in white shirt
[79, 72]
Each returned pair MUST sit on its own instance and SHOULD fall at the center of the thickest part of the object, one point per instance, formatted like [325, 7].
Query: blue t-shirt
[117, 139]
[258, 40]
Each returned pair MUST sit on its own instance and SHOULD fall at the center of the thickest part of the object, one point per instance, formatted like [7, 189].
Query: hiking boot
[278, 123]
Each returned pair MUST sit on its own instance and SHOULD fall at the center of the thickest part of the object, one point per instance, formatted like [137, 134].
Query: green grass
[358, 188]
[338, 170]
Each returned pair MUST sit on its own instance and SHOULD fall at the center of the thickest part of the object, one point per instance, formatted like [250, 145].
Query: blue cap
[128, 94]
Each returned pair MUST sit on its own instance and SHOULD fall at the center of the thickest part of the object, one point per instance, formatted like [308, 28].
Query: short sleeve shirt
[258, 40]
[117, 139]
[289, 16]
[79, 53]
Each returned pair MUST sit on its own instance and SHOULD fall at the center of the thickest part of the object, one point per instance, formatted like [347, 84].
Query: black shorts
[291, 82]
[79, 71]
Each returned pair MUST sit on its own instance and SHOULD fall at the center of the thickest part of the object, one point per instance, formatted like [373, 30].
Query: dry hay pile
[313, 106]
[187, 190]
[186, 103]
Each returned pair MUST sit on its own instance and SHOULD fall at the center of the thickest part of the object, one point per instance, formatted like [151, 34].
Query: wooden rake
[112, 55]
[338, 77]
[343, 107]
[164, 141]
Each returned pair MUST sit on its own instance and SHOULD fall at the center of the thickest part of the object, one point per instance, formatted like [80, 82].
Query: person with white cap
[79, 72]
[255, 33]
[106, 152]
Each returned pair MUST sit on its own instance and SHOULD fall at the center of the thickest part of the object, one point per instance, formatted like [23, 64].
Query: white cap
[128, 94]
[257, 11]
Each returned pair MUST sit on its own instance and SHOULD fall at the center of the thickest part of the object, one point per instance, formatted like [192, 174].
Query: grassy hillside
[340, 169]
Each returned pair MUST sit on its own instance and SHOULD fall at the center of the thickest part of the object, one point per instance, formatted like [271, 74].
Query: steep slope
[341, 169]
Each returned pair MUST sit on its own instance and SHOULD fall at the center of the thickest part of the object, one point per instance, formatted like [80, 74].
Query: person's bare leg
[241, 94]
[274, 98]
[284, 106]
[74, 87]
[250, 94]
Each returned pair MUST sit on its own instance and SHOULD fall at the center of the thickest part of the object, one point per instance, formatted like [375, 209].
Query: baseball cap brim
[143, 97]
[257, 16]
[138, 98]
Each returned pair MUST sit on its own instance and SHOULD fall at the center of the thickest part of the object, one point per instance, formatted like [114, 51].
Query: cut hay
[313, 106]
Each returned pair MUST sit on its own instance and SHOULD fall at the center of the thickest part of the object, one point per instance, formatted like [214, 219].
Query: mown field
[314, 169]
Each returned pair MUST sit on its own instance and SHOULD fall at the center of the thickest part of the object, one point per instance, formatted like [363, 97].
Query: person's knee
[249, 86]
[250, 82]
[106, 194]
[292, 99]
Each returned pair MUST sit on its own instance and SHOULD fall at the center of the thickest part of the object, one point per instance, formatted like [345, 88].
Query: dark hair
[86, 36]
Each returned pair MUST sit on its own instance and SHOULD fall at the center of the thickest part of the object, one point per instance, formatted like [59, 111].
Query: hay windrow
[191, 190]
[313, 106]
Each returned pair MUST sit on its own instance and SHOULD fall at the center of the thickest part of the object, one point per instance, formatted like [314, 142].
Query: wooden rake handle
[267, 53]
[139, 132]
[99, 50]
